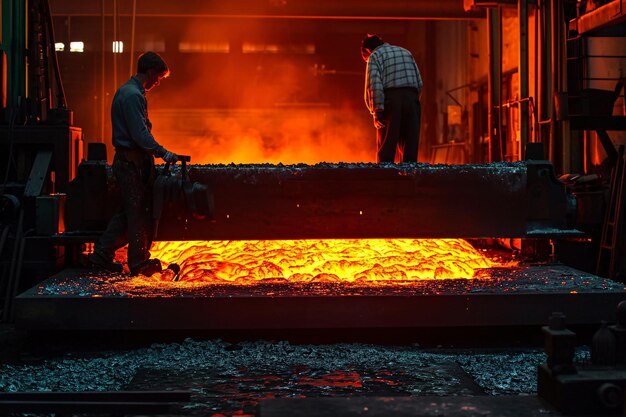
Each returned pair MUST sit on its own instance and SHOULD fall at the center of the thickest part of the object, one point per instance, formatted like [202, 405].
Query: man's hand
[379, 119]
[170, 157]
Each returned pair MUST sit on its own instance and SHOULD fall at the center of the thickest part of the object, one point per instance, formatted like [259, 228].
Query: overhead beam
[324, 9]
[607, 15]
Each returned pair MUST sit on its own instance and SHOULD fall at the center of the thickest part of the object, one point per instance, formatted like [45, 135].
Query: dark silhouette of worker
[393, 85]
[133, 168]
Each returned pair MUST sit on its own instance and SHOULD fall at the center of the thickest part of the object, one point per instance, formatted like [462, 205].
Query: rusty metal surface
[327, 201]
[609, 14]
[78, 299]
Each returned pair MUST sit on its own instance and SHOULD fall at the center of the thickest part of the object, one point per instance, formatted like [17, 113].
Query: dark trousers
[401, 133]
[134, 172]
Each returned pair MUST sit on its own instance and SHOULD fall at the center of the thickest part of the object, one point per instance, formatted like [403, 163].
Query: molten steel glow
[365, 262]
[287, 136]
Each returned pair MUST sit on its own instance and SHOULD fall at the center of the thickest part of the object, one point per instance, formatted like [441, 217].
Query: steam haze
[260, 92]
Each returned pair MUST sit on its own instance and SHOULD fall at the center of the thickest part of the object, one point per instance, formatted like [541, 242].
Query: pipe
[495, 83]
[115, 39]
[555, 130]
[522, 12]
[102, 70]
[545, 92]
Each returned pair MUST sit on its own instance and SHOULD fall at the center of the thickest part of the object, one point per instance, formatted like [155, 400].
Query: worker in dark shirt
[393, 85]
[133, 168]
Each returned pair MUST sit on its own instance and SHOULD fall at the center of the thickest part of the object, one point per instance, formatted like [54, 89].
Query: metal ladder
[611, 228]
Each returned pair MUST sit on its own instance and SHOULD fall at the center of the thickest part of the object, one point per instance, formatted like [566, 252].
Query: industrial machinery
[40, 148]
[280, 224]
[308, 212]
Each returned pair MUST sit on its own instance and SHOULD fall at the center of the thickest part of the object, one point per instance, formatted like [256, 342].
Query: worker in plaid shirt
[393, 85]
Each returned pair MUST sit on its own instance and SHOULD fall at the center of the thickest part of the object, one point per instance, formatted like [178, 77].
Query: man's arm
[420, 83]
[135, 116]
[374, 87]
[374, 92]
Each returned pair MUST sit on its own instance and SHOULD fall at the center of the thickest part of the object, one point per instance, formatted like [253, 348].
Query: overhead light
[206, 47]
[154, 45]
[59, 46]
[77, 46]
[274, 48]
[267, 48]
[118, 47]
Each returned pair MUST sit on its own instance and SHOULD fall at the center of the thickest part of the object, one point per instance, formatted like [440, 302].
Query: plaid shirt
[389, 66]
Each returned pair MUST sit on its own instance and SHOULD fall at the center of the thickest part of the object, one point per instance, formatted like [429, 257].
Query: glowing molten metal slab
[364, 261]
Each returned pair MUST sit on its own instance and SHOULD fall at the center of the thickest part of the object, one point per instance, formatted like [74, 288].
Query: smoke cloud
[266, 136]
[261, 92]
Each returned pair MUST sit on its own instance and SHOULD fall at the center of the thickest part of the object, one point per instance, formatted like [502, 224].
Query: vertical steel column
[428, 68]
[545, 76]
[557, 42]
[115, 39]
[102, 70]
[13, 47]
[3, 57]
[522, 13]
[495, 83]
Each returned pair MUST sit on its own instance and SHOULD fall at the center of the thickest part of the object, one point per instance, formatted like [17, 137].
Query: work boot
[147, 268]
[98, 259]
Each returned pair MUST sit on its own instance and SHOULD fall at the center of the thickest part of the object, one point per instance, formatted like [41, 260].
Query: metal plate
[331, 201]
[80, 299]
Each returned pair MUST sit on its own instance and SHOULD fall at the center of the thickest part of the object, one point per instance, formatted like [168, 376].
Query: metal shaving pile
[510, 372]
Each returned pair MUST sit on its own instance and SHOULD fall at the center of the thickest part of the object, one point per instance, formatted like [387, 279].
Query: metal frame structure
[77, 300]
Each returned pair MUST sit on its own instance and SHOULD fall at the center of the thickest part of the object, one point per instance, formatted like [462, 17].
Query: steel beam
[346, 9]
[327, 201]
[607, 15]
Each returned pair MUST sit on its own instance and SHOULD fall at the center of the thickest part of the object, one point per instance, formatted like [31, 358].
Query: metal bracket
[38, 173]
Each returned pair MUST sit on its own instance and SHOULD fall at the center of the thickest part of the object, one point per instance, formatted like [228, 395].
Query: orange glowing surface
[365, 261]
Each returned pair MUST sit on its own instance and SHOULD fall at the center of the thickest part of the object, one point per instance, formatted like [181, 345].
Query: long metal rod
[500, 46]
[115, 39]
[102, 70]
[290, 17]
[522, 12]
[536, 72]
[545, 85]
[132, 40]
[555, 142]
[494, 81]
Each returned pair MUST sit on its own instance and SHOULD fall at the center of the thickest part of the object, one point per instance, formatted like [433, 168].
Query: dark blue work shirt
[129, 119]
